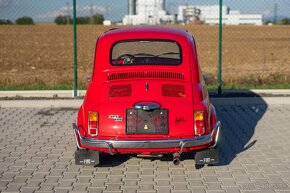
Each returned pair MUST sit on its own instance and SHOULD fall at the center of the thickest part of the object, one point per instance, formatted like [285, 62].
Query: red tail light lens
[173, 90]
[199, 126]
[93, 125]
[120, 90]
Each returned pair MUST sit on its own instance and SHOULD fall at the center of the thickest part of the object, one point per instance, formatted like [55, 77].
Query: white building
[147, 12]
[210, 15]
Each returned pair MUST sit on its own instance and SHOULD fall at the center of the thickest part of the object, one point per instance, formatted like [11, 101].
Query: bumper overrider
[147, 144]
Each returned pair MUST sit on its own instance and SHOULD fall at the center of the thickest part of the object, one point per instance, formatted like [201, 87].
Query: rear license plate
[147, 122]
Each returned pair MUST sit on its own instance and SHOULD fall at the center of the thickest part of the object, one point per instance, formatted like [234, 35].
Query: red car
[147, 97]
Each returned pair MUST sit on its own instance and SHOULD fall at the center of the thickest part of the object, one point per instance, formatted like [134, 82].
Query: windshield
[146, 52]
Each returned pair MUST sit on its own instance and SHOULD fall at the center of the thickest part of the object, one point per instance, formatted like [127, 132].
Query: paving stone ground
[37, 148]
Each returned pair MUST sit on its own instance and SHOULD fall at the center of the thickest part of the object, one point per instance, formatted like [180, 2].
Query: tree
[83, 20]
[285, 21]
[63, 20]
[24, 21]
[5, 22]
[95, 19]
[98, 19]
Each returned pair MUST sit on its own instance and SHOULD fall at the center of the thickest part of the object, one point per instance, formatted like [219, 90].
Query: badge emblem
[117, 118]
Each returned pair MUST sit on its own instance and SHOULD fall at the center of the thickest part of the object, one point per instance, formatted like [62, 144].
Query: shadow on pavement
[238, 125]
[112, 161]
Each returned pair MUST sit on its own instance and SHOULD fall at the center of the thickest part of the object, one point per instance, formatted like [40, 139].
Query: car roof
[154, 32]
[109, 38]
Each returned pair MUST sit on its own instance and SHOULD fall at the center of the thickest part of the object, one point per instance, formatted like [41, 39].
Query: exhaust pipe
[176, 158]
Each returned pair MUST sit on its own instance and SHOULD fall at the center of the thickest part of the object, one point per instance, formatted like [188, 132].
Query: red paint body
[181, 108]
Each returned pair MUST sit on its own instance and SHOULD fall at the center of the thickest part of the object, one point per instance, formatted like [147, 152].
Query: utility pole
[67, 13]
[91, 12]
[275, 13]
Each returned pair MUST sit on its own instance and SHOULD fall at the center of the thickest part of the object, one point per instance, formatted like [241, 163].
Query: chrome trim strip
[75, 130]
[142, 144]
[217, 135]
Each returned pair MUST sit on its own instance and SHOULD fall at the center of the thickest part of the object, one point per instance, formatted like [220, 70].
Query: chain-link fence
[256, 49]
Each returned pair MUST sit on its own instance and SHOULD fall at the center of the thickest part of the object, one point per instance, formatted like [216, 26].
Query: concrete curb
[41, 93]
[251, 101]
[273, 92]
[46, 103]
[76, 103]
[69, 93]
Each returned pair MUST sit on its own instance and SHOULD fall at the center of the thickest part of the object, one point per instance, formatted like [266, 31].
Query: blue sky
[47, 10]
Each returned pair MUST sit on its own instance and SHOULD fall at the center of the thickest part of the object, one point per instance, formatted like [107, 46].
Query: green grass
[248, 87]
[84, 87]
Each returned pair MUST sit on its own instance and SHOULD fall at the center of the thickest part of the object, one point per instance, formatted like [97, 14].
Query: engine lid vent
[145, 75]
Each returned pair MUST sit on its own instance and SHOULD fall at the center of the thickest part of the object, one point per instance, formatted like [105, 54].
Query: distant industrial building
[147, 12]
[210, 15]
[153, 12]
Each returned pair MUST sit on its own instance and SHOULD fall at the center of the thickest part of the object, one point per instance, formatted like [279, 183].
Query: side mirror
[88, 79]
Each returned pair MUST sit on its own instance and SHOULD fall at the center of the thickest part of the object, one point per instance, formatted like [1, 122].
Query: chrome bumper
[146, 144]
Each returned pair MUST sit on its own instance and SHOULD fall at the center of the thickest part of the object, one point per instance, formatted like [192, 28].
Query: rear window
[146, 52]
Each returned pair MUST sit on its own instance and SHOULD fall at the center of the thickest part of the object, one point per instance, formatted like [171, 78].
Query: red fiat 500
[147, 97]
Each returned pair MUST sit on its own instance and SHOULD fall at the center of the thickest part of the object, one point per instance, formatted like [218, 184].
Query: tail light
[93, 125]
[173, 90]
[120, 90]
[199, 126]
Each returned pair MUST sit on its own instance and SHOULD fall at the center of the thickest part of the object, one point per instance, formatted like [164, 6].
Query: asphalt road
[37, 147]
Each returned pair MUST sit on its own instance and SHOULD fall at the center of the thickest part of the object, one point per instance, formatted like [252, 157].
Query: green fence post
[220, 47]
[75, 49]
